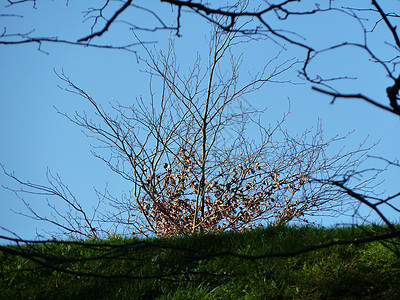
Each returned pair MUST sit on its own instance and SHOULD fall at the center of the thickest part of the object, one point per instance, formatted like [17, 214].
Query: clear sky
[33, 137]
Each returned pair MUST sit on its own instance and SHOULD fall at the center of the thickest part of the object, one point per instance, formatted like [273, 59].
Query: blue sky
[33, 137]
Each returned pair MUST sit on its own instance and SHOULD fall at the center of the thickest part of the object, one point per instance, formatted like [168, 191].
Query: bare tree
[189, 157]
[270, 21]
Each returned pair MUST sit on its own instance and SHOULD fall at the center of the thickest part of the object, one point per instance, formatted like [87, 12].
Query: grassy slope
[342, 272]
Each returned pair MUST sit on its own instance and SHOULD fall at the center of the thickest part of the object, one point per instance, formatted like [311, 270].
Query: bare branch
[108, 24]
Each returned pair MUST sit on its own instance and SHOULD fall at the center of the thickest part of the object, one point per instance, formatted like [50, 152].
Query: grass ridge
[175, 268]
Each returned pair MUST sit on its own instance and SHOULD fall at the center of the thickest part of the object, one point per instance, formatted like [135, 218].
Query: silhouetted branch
[108, 24]
[336, 95]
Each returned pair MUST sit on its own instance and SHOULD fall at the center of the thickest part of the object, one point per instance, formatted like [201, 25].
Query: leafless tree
[188, 169]
[269, 21]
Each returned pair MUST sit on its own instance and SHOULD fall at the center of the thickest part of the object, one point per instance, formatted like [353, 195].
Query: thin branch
[108, 24]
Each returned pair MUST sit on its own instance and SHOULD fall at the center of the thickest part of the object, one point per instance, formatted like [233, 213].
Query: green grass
[367, 271]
